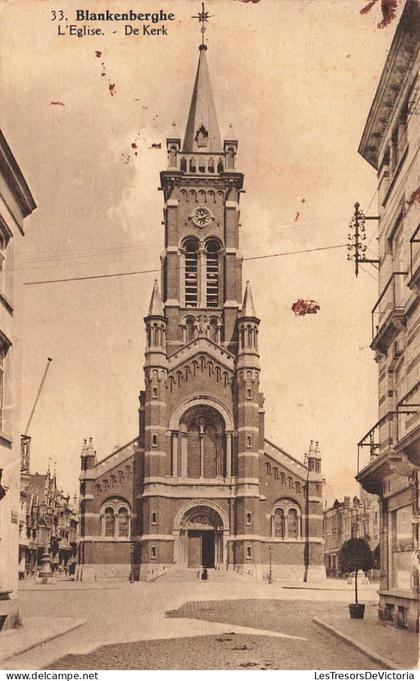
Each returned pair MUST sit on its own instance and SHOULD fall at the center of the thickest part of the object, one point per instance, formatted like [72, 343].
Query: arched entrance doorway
[200, 542]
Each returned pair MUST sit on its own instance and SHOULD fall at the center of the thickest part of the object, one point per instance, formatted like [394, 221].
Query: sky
[296, 79]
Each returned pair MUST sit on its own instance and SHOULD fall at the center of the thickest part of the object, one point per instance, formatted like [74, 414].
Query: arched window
[194, 454]
[268, 468]
[230, 161]
[109, 522]
[213, 329]
[290, 482]
[183, 165]
[209, 450]
[115, 518]
[210, 165]
[292, 524]
[297, 487]
[278, 523]
[203, 447]
[276, 473]
[191, 273]
[282, 478]
[189, 329]
[123, 522]
[212, 274]
[286, 520]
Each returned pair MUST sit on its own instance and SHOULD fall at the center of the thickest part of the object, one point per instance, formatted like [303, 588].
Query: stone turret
[248, 323]
[87, 455]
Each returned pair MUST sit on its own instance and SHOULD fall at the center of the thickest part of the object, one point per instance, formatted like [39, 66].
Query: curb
[29, 646]
[328, 588]
[384, 662]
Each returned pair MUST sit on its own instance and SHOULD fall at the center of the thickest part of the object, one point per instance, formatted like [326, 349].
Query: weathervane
[202, 17]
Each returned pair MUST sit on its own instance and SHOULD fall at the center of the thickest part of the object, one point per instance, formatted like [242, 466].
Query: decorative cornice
[15, 179]
[393, 82]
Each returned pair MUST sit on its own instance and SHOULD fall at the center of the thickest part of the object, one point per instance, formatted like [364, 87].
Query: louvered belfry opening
[191, 273]
[212, 274]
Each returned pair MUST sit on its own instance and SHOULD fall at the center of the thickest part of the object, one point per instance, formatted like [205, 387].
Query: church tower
[201, 410]
[200, 486]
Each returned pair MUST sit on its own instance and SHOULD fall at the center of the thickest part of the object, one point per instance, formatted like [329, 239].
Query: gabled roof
[198, 346]
[286, 460]
[202, 132]
[116, 458]
[36, 484]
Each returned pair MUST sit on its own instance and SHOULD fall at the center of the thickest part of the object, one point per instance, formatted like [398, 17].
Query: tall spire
[202, 131]
[248, 308]
[156, 306]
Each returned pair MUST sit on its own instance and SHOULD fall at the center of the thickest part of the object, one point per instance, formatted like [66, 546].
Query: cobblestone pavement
[131, 619]
[226, 651]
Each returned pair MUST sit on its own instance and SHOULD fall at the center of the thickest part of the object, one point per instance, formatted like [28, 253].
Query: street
[190, 625]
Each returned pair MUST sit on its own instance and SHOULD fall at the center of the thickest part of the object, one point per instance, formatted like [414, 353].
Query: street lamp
[270, 572]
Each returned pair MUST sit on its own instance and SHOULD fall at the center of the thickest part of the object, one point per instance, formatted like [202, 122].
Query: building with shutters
[389, 454]
[16, 204]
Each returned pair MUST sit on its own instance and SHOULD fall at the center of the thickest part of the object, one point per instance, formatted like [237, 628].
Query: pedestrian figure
[204, 574]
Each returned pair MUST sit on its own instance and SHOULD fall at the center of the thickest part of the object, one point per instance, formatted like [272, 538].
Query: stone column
[184, 445]
[228, 455]
[174, 450]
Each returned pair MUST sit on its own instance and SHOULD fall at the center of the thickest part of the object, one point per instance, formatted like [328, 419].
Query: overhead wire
[126, 274]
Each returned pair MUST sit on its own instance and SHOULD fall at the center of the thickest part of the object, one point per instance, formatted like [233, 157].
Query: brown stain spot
[57, 103]
[414, 198]
[303, 307]
[388, 9]
[111, 87]
[98, 54]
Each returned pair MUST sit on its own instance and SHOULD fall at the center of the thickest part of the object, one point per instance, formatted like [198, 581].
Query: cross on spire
[202, 17]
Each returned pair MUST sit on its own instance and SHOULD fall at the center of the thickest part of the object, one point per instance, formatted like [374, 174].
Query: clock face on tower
[202, 216]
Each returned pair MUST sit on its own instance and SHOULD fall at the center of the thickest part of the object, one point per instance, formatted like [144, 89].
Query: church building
[200, 486]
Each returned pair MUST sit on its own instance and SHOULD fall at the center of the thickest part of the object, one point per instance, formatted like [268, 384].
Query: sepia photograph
[209, 337]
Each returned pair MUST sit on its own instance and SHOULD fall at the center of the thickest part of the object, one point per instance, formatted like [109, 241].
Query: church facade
[201, 486]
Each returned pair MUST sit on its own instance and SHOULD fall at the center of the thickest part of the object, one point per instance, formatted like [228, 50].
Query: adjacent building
[200, 485]
[16, 203]
[389, 454]
[48, 522]
[348, 519]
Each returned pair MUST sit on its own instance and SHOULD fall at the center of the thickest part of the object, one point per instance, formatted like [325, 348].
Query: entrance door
[201, 548]
[194, 548]
[207, 549]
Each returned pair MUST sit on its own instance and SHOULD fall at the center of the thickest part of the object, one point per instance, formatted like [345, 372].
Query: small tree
[355, 555]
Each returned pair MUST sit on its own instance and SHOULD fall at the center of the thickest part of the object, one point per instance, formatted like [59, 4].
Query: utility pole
[357, 235]
[41, 385]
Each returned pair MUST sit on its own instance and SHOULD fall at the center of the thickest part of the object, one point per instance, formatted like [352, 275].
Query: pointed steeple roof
[156, 305]
[202, 131]
[248, 308]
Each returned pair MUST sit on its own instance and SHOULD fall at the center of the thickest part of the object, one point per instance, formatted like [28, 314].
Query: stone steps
[193, 575]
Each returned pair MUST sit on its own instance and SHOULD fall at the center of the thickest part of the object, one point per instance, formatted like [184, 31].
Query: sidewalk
[389, 647]
[331, 584]
[68, 585]
[35, 631]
